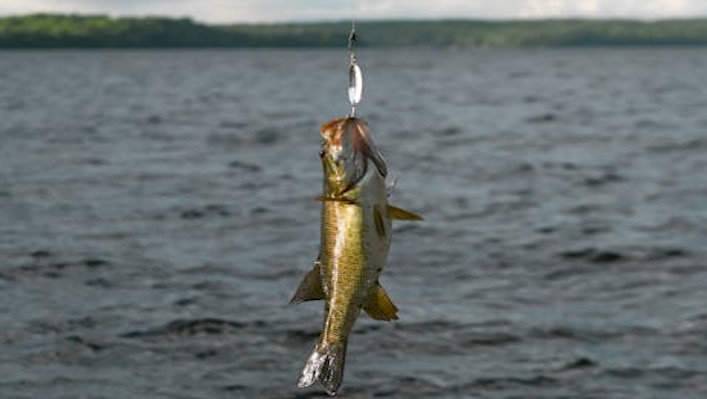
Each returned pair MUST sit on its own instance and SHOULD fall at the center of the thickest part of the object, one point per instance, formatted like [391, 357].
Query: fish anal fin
[310, 289]
[379, 306]
[401, 214]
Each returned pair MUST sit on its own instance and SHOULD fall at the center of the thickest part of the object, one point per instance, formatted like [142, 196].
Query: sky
[234, 11]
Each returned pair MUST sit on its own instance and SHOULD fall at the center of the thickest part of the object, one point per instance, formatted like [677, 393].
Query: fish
[356, 228]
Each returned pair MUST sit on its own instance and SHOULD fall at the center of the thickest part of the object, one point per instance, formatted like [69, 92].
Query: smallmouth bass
[356, 227]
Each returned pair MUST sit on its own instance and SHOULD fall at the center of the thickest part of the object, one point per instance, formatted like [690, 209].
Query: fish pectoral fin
[401, 214]
[379, 306]
[378, 222]
[310, 289]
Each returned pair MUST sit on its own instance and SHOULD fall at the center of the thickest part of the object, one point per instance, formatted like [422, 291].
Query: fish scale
[346, 272]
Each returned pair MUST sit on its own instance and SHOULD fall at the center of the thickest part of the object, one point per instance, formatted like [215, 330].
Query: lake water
[156, 215]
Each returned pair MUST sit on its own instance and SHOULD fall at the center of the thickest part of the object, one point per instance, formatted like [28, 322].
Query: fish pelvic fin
[310, 289]
[379, 306]
[401, 214]
[325, 364]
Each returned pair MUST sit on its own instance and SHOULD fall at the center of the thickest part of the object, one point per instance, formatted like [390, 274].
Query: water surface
[156, 215]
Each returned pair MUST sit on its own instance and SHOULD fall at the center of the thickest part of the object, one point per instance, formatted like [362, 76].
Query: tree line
[99, 31]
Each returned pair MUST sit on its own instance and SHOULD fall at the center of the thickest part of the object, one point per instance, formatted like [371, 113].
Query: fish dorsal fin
[310, 289]
[379, 306]
[401, 214]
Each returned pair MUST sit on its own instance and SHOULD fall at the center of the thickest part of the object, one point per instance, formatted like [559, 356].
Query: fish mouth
[348, 146]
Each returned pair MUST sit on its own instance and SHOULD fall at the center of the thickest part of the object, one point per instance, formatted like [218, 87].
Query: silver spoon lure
[355, 75]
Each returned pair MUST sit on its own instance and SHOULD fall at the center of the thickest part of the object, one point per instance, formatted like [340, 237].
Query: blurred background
[158, 163]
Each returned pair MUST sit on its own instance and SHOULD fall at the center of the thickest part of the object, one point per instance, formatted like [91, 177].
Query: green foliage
[48, 30]
[94, 31]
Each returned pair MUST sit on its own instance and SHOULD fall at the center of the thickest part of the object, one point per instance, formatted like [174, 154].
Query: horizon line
[370, 19]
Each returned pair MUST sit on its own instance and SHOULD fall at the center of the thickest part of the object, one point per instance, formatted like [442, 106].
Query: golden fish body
[355, 238]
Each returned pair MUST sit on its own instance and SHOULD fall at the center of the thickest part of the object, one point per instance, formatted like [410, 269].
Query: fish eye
[321, 153]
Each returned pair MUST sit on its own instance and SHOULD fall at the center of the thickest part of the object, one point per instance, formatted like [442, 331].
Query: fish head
[346, 151]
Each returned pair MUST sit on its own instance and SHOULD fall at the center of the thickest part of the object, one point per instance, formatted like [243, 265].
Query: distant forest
[96, 31]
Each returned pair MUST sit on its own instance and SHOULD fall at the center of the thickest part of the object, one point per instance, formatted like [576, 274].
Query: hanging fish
[355, 237]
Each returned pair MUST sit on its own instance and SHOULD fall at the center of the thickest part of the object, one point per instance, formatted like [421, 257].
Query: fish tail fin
[326, 364]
